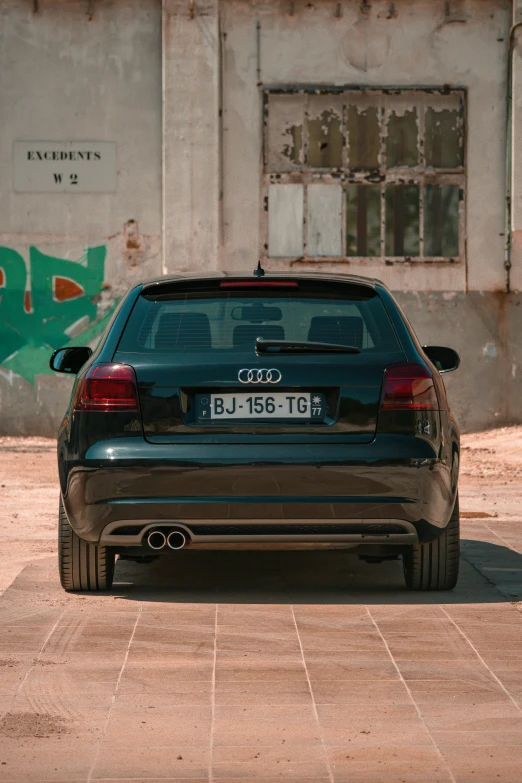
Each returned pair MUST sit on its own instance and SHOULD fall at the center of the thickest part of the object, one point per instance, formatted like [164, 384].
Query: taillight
[108, 387]
[408, 387]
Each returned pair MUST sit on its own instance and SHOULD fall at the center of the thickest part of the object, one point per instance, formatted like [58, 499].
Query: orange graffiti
[2, 278]
[27, 302]
[64, 288]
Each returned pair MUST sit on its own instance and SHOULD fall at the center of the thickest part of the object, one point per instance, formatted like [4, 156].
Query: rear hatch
[202, 376]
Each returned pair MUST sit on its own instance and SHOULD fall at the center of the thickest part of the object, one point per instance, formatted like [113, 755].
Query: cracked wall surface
[181, 90]
[67, 258]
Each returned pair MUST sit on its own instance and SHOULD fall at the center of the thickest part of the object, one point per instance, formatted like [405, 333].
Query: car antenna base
[259, 271]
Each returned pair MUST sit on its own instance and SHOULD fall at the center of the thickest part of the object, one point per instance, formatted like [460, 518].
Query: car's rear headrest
[247, 333]
[177, 331]
[340, 330]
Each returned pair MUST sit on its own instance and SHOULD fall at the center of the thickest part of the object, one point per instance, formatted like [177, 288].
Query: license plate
[245, 405]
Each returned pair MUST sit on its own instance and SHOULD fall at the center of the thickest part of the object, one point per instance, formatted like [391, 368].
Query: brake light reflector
[108, 387]
[408, 387]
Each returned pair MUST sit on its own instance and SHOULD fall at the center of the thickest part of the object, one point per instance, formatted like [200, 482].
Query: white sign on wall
[65, 166]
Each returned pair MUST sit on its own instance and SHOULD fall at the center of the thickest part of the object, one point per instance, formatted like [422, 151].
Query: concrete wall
[462, 44]
[178, 87]
[484, 327]
[191, 135]
[66, 76]
[411, 44]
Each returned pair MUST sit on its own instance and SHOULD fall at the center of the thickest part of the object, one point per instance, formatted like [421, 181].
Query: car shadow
[489, 574]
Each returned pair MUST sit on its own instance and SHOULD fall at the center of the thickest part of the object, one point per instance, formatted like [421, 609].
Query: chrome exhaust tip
[156, 539]
[176, 539]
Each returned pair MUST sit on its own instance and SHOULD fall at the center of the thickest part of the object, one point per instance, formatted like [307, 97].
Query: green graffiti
[36, 321]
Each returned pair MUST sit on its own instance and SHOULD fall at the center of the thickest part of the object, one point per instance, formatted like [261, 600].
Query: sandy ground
[267, 667]
[491, 477]
[493, 455]
[28, 503]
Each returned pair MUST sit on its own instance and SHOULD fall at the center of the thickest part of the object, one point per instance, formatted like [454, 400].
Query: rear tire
[83, 567]
[435, 566]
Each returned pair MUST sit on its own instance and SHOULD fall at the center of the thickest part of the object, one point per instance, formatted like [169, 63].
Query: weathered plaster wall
[432, 43]
[65, 259]
[485, 329]
[65, 76]
[404, 43]
[191, 135]
[183, 105]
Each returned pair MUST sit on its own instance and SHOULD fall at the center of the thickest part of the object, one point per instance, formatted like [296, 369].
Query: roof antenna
[259, 271]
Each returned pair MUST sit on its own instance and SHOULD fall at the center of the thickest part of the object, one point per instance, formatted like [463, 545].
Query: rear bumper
[129, 482]
[245, 532]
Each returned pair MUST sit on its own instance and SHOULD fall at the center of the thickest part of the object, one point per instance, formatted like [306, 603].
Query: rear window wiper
[292, 346]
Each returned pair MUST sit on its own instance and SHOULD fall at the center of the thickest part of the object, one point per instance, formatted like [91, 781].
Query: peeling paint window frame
[420, 175]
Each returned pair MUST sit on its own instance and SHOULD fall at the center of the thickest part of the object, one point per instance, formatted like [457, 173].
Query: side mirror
[444, 359]
[69, 360]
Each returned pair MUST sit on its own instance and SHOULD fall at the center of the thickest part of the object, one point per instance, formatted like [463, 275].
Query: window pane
[285, 221]
[285, 132]
[402, 142]
[441, 220]
[363, 220]
[443, 145]
[402, 220]
[325, 140]
[324, 220]
[214, 320]
[363, 136]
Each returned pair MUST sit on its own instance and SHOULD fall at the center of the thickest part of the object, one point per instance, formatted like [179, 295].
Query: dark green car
[240, 410]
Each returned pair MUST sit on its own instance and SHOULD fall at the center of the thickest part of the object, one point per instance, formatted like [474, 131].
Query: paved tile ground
[264, 667]
[293, 667]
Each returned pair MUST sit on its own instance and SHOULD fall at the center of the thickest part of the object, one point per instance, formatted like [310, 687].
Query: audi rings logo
[259, 376]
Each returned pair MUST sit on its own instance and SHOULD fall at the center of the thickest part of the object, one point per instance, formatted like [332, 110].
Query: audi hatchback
[246, 411]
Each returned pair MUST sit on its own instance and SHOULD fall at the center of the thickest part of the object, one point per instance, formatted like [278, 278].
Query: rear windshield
[222, 320]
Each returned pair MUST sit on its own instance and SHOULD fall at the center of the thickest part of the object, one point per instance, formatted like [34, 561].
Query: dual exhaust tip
[157, 539]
